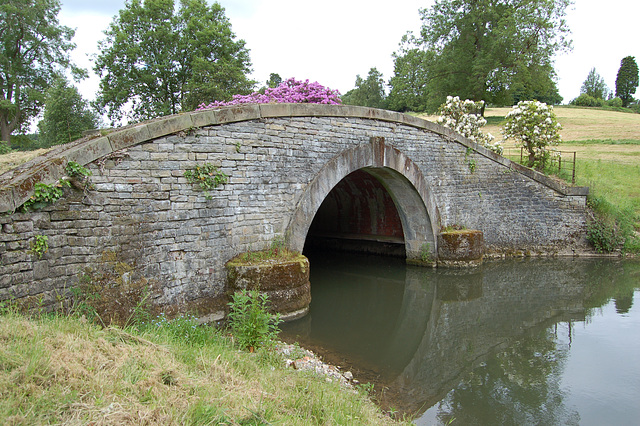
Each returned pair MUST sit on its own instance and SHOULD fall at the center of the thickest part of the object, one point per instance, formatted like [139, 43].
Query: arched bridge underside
[334, 174]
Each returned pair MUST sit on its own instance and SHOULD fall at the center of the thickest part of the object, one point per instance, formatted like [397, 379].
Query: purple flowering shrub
[289, 91]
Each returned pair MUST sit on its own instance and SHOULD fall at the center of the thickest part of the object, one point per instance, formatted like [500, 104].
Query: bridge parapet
[16, 186]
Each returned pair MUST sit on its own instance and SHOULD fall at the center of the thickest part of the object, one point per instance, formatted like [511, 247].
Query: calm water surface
[538, 341]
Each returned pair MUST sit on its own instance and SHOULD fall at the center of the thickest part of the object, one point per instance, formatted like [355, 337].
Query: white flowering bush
[535, 127]
[464, 118]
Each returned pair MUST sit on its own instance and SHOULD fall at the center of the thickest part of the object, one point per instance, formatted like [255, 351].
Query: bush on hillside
[615, 102]
[587, 100]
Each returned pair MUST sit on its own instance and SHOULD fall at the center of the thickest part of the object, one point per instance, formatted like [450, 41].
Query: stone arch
[399, 175]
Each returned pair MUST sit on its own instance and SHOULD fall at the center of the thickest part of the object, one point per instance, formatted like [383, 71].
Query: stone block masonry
[282, 161]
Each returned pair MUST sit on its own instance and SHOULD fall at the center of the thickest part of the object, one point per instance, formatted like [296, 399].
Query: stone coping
[17, 185]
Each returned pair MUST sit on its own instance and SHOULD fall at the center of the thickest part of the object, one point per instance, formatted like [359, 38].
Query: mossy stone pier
[373, 179]
[460, 248]
[284, 281]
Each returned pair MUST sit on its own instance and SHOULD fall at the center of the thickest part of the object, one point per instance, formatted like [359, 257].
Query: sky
[333, 41]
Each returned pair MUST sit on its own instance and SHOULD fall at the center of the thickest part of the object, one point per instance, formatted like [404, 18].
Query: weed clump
[250, 322]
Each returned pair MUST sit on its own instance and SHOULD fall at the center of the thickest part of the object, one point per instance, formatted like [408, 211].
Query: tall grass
[615, 201]
[65, 370]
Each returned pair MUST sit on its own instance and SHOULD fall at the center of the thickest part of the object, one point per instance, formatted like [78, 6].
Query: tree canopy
[368, 92]
[595, 86]
[66, 115]
[627, 80]
[34, 50]
[498, 51]
[157, 60]
[409, 84]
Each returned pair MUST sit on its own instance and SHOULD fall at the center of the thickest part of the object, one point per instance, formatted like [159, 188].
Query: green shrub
[609, 228]
[615, 102]
[250, 322]
[587, 100]
[4, 148]
[603, 233]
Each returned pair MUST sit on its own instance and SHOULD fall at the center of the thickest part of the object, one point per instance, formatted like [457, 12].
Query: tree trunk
[5, 132]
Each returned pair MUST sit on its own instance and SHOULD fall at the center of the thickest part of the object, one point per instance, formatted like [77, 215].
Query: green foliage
[627, 80]
[5, 148]
[610, 228]
[183, 329]
[369, 92]
[81, 303]
[500, 52]
[587, 101]
[34, 50]
[603, 230]
[249, 320]
[425, 252]
[207, 176]
[409, 84]
[158, 59]
[74, 169]
[66, 115]
[46, 194]
[40, 245]
[594, 86]
[615, 102]
[535, 127]
[274, 80]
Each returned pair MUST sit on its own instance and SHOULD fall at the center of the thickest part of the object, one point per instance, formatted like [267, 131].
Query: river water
[515, 342]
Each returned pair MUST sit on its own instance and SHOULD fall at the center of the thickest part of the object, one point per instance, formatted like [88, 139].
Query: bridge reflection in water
[488, 344]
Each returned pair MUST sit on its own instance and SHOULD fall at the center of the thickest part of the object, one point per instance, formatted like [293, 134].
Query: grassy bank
[64, 370]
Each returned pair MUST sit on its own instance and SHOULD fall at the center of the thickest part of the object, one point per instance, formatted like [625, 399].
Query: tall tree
[369, 92]
[157, 61]
[409, 84]
[66, 115]
[627, 80]
[274, 80]
[498, 51]
[594, 85]
[34, 49]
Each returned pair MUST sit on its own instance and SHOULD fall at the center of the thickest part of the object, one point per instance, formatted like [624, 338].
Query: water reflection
[483, 346]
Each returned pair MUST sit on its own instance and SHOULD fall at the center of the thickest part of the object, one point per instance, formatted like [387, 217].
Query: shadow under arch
[398, 174]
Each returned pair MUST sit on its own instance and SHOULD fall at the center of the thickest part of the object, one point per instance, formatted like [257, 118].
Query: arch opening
[357, 215]
[398, 178]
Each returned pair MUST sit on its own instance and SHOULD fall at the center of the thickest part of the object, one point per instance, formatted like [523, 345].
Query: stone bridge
[321, 176]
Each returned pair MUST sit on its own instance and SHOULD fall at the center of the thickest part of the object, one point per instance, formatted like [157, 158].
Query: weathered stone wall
[145, 211]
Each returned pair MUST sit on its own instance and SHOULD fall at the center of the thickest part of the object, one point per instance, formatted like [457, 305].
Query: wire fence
[563, 160]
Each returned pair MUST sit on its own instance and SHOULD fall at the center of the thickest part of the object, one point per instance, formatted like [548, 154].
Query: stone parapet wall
[144, 211]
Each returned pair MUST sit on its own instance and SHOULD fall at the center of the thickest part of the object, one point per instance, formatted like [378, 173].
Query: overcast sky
[334, 40]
